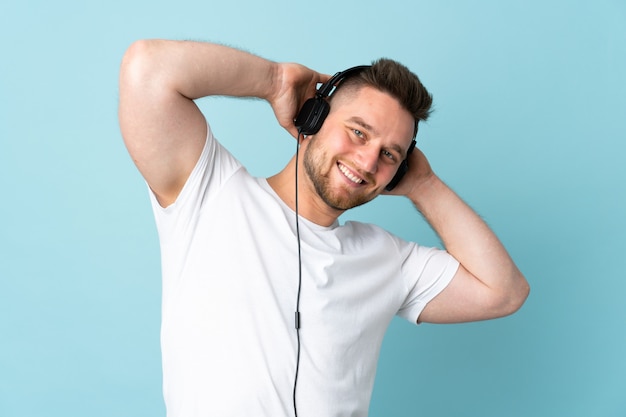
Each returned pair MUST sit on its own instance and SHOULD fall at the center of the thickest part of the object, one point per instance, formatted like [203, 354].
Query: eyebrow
[366, 126]
[361, 122]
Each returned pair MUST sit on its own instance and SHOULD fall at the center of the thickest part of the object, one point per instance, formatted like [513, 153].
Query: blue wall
[530, 104]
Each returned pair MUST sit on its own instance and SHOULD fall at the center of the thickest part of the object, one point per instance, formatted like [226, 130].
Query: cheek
[315, 156]
[327, 147]
[387, 172]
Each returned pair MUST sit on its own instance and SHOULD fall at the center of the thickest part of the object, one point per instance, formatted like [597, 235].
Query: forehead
[377, 111]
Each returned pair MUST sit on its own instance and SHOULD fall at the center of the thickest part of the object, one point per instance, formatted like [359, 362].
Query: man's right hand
[295, 84]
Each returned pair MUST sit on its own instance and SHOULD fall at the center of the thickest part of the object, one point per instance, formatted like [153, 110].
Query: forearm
[200, 69]
[162, 127]
[468, 238]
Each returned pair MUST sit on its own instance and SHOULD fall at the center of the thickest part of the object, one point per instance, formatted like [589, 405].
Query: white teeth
[349, 175]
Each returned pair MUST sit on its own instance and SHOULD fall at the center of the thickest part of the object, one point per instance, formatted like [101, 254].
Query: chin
[344, 203]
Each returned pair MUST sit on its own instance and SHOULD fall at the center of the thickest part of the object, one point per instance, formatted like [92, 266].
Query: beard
[339, 198]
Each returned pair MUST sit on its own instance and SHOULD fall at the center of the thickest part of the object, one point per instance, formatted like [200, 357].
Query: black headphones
[312, 114]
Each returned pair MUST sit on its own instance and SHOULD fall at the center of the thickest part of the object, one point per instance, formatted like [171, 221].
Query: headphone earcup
[402, 169]
[311, 116]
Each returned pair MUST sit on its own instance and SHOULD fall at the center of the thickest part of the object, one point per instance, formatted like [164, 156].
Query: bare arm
[487, 284]
[163, 128]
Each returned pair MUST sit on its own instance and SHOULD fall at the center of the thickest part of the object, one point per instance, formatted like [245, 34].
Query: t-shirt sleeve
[427, 271]
[176, 223]
[213, 168]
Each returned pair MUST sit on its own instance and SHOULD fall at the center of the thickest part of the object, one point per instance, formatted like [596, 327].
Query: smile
[349, 175]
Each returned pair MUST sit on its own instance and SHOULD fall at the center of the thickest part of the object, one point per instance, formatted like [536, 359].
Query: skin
[347, 163]
[351, 159]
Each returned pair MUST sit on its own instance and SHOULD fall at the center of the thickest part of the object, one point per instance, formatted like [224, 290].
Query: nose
[367, 158]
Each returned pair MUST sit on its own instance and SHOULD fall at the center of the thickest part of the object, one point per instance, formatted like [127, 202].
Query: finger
[291, 128]
[322, 78]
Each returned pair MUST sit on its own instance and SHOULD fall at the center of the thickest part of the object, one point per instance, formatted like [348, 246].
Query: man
[238, 263]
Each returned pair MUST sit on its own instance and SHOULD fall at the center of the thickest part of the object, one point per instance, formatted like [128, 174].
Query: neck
[310, 205]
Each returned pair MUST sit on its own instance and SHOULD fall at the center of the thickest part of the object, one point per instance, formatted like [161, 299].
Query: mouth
[349, 174]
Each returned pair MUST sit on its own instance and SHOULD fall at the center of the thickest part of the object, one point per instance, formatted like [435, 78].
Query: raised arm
[487, 284]
[163, 128]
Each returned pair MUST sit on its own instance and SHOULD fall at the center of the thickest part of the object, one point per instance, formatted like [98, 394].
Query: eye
[388, 155]
[358, 133]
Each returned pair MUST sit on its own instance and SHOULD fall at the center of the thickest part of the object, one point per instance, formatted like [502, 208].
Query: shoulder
[371, 229]
[361, 228]
[372, 235]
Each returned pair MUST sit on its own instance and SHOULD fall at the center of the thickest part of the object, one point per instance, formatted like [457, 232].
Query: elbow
[146, 67]
[136, 65]
[515, 296]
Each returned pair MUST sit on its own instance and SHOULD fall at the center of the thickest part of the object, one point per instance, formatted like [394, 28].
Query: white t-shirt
[230, 278]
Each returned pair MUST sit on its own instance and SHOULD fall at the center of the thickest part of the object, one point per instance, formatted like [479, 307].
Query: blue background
[530, 105]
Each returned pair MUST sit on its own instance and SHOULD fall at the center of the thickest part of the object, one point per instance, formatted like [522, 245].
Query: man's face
[358, 150]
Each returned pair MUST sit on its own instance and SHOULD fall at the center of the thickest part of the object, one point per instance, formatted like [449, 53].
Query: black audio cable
[297, 314]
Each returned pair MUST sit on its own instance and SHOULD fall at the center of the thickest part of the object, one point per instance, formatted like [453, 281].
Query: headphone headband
[312, 114]
[335, 80]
